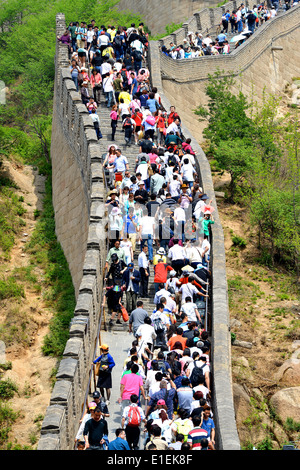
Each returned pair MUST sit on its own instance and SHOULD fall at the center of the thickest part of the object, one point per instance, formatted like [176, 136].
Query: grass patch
[59, 293]
[9, 288]
[11, 211]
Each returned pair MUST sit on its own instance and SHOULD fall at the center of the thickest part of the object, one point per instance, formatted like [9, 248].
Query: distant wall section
[266, 62]
[159, 13]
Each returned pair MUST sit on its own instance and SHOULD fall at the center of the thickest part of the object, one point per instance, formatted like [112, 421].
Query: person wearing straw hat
[106, 365]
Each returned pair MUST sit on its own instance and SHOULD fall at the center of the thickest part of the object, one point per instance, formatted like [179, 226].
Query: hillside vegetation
[36, 292]
[254, 155]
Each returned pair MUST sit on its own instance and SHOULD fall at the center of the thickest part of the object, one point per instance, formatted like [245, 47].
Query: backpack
[118, 41]
[197, 372]
[127, 122]
[138, 56]
[134, 416]
[124, 78]
[162, 366]
[184, 428]
[171, 159]
[158, 325]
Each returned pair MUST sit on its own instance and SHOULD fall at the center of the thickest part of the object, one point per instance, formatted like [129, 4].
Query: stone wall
[227, 437]
[78, 199]
[205, 20]
[265, 62]
[159, 13]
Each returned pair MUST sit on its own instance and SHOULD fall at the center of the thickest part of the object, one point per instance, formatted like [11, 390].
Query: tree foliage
[259, 148]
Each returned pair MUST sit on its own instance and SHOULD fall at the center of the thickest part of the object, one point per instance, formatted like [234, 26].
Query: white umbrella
[237, 38]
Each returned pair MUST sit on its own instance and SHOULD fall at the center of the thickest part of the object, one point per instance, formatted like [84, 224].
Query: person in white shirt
[174, 186]
[143, 169]
[200, 362]
[207, 40]
[191, 310]
[172, 282]
[162, 292]
[177, 255]
[105, 69]
[179, 219]
[147, 232]
[173, 127]
[127, 247]
[205, 248]
[147, 332]
[188, 172]
[143, 265]
[108, 89]
[188, 290]
[202, 388]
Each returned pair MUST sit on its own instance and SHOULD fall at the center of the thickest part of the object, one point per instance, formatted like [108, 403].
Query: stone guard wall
[204, 21]
[159, 13]
[78, 199]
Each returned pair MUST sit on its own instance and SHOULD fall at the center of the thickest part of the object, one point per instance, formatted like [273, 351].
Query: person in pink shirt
[96, 81]
[131, 384]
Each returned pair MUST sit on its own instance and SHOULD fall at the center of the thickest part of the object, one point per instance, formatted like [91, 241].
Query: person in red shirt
[161, 270]
[138, 118]
[173, 115]
[160, 121]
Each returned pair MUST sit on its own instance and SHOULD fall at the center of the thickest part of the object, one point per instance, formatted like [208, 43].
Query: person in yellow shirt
[112, 31]
[109, 50]
[161, 254]
[125, 96]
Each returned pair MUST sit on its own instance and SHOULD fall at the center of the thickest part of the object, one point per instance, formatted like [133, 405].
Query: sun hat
[161, 251]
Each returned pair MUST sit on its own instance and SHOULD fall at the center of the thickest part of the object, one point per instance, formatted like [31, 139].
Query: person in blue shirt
[134, 84]
[120, 442]
[152, 103]
[120, 164]
[208, 424]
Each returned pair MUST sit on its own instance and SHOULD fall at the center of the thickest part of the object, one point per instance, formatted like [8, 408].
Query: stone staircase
[131, 153]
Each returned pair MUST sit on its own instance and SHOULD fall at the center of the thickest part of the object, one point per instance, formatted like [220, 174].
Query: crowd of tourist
[159, 221]
[242, 22]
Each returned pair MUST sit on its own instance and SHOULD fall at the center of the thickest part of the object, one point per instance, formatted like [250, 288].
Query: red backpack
[134, 416]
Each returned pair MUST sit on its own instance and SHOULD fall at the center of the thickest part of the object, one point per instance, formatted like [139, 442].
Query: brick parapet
[78, 194]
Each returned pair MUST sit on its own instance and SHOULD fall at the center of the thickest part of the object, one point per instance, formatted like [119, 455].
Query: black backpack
[137, 56]
[158, 325]
[162, 366]
[127, 122]
[118, 41]
[197, 372]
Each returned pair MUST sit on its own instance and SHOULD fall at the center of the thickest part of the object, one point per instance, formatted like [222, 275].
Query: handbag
[124, 312]
[97, 368]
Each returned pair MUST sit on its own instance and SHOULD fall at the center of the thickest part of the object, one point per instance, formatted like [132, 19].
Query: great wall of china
[270, 58]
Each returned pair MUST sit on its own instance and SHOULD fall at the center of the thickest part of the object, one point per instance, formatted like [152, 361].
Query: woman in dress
[106, 365]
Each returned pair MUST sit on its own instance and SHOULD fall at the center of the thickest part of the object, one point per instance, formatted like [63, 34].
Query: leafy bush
[239, 241]
[7, 389]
